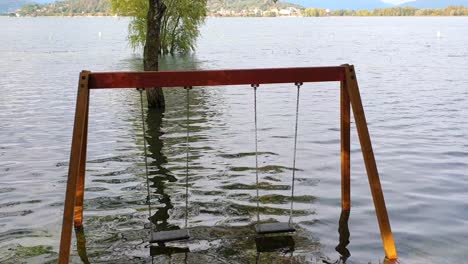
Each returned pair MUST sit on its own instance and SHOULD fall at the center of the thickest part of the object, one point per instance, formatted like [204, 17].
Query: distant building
[285, 12]
[290, 11]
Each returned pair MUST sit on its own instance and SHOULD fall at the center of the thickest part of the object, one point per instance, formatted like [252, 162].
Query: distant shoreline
[221, 17]
[62, 10]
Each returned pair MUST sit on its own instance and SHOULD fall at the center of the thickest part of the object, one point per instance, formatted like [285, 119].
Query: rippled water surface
[414, 87]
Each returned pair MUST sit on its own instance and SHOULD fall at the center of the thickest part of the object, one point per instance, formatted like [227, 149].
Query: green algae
[240, 209]
[282, 199]
[34, 251]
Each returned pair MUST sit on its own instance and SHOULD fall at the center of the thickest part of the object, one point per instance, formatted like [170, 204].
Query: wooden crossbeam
[108, 80]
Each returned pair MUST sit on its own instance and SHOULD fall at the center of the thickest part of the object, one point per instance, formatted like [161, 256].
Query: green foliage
[314, 12]
[30, 9]
[269, 14]
[395, 11]
[179, 28]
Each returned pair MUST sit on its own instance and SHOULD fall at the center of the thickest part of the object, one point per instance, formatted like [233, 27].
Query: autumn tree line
[104, 7]
[395, 11]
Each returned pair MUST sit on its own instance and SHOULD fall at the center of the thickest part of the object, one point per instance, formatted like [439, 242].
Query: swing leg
[343, 228]
[74, 167]
[371, 167]
[79, 197]
[345, 149]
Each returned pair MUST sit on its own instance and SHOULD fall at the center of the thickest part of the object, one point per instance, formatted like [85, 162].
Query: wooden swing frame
[349, 97]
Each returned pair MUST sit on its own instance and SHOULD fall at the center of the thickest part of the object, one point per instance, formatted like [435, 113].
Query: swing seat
[273, 228]
[168, 236]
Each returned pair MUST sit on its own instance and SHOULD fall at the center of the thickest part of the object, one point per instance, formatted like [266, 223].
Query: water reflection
[81, 244]
[158, 174]
[169, 252]
[274, 243]
[343, 231]
[281, 244]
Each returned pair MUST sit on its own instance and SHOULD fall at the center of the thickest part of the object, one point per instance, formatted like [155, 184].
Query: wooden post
[343, 228]
[369, 160]
[79, 197]
[345, 149]
[78, 141]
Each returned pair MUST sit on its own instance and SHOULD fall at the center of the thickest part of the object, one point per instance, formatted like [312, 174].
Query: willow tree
[161, 27]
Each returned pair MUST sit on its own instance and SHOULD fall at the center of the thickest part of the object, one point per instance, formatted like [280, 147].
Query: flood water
[414, 87]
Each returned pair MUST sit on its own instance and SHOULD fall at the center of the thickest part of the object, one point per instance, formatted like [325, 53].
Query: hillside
[371, 4]
[341, 4]
[68, 7]
[436, 3]
[251, 8]
[215, 7]
[239, 5]
[7, 6]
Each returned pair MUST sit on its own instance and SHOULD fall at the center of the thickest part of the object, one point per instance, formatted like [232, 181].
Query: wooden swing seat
[274, 228]
[171, 235]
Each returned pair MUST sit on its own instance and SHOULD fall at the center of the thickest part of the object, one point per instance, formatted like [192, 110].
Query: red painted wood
[100, 80]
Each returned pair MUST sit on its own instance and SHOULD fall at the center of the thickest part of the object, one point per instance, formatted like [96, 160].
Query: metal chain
[255, 86]
[148, 198]
[187, 155]
[295, 151]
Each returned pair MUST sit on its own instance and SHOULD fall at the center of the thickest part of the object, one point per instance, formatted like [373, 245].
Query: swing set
[349, 99]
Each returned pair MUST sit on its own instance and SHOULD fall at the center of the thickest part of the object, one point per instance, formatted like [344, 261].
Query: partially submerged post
[350, 97]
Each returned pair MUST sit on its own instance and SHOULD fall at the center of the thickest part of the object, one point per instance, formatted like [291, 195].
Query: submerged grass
[29, 252]
[240, 209]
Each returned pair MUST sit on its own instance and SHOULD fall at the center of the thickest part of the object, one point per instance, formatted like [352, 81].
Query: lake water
[414, 86]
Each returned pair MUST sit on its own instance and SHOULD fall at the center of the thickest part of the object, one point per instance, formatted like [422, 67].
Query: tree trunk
[151, 52]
